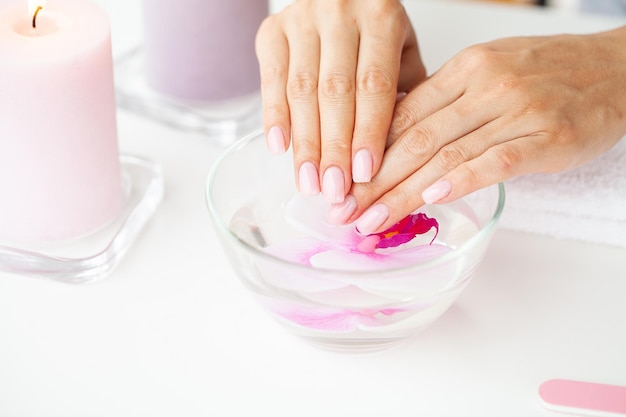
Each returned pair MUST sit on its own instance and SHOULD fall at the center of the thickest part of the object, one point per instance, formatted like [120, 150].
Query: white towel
[586, 204]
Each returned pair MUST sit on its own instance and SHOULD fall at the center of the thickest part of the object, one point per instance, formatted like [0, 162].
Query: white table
[172, 332]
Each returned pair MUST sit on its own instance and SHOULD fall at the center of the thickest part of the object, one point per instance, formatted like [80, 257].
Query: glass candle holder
[197, 68]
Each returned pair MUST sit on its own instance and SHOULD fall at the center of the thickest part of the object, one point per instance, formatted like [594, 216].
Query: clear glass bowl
[348, 310]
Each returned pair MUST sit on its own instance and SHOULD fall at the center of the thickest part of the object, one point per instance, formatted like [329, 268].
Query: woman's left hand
[496, 110]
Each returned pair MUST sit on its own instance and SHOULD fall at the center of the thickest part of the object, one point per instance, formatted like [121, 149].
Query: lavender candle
[202, 50]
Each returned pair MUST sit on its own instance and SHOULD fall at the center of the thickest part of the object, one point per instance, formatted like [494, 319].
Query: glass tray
[94, 256]
[223, 122]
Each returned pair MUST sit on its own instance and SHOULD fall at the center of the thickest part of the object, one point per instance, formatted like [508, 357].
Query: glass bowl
[251, 194]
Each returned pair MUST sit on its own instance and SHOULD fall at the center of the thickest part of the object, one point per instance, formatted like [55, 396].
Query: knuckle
[477, 56]
[505, 160]
[418, 143]
[335, 147]
[563, 140]
[450, 157]
[305, 147]
[509, 83]
[303, 84]
[564, 135]
[336, 87]
[404, 197]
[369, 129]
[468, 176]
[402, 120]
[366, 192]
[272, 75]
[337, 9]
[386, 11]
[375, 81]
[274, 111]
[480, 60]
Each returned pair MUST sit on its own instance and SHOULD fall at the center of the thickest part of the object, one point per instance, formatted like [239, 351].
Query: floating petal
[406, 229]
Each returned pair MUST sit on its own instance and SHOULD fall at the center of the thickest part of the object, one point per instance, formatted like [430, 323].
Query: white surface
[173, 333]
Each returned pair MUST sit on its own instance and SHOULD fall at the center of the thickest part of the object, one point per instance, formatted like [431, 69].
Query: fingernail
[436, 192]
[308, 179]
[340, 213]
[333, 186]
[401, 95]
[276, 140]
[362, 166]
[372, 219]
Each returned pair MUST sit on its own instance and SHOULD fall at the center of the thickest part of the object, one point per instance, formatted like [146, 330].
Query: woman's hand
[496, 110]
[331, 71]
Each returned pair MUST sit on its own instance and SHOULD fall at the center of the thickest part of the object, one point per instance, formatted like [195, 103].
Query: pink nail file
[583, 398]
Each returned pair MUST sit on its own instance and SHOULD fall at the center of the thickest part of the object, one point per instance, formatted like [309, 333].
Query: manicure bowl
[327, 284]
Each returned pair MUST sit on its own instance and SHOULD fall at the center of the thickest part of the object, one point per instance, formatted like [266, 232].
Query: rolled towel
[587, 203]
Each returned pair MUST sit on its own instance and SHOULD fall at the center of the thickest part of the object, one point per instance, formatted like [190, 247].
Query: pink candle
[202, 49]
[59, 158]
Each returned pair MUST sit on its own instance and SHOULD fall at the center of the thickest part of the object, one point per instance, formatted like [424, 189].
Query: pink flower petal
[406, 229]
[334, 319]
[298, 279]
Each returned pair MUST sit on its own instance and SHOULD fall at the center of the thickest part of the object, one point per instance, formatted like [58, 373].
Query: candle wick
[35, 16]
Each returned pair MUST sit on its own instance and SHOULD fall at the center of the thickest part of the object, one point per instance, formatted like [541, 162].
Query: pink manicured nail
[333, 186]
[340, 213]
[276, 140]
[436, 192]
[372, 219]
[362, 166]
[308, 179]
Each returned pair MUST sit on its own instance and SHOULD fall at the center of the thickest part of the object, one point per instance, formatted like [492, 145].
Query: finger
[336, 94]
[484, 157]
[425, 100]
[438, 91]
[273, 56]
[426, 140]
[414, 192]
[377, 79]
[498, 163]
[303, 75]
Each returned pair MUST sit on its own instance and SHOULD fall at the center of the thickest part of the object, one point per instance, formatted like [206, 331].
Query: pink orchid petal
[304, 280]
[406, 229]
[340, 321]
[298, 250]
[369, 244]
[335, 319]
[320, 318]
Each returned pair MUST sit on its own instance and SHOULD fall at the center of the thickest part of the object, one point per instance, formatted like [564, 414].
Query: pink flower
[343, 248]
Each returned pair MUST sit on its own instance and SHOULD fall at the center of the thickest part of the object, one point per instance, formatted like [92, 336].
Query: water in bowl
[353, 310]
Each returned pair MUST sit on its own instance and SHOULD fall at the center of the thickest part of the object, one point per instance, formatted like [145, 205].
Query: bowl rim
[455, 253]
